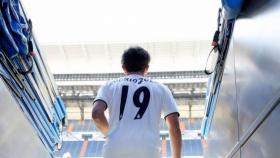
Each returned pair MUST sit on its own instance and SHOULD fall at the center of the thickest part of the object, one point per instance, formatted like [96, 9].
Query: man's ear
[146, 70]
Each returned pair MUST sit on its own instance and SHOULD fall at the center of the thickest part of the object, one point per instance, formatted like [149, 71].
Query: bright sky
[94, 21]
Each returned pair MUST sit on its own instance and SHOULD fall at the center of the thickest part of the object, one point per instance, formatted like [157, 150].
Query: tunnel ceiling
[105, 58]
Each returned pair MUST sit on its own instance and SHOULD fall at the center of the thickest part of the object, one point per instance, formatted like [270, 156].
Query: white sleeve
[169, 104]
[103, 95]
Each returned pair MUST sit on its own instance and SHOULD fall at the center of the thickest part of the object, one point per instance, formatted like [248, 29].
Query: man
[135, 106]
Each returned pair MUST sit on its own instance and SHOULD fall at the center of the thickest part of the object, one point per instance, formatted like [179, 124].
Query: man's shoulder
[157, 83]
[109, 83]
[160, 86]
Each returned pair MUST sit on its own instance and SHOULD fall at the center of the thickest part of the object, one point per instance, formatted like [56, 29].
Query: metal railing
[110, 76]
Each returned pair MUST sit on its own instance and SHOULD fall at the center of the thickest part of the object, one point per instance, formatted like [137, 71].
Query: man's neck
[135, 73]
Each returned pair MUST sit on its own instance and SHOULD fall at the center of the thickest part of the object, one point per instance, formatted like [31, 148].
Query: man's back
[135, 105]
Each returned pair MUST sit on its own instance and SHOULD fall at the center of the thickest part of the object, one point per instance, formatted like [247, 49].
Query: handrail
[267, 110]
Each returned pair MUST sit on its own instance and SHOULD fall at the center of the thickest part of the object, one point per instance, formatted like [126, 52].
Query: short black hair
[135, 59]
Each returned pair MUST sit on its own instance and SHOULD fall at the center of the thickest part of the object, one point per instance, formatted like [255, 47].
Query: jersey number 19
[142, 105]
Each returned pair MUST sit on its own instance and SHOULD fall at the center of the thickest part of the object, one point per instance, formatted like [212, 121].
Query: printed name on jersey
[134, 80]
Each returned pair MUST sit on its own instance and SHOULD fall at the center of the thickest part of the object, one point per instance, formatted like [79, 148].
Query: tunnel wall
[18, 137]
[246, 119]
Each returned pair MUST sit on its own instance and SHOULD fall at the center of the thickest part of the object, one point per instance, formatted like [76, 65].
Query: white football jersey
[135, 106]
